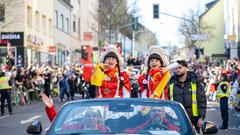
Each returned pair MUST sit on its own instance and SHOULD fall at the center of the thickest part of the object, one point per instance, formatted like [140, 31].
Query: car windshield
[119, 117]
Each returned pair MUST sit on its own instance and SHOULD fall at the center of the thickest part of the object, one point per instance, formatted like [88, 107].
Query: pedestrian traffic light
[155, 11]
[135, 23]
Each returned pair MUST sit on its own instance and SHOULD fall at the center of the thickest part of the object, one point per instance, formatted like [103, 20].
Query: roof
[68, 3]
[209, 6]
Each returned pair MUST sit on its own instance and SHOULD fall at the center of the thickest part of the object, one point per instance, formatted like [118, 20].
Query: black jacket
[184, 94]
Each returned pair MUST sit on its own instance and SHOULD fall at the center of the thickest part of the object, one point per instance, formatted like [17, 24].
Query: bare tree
[191, 25]
[112, 14]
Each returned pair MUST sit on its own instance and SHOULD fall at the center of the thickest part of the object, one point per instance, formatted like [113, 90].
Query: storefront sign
[52, 49]
[34, 40]
[14, 38]
[87, 36]
[232, 37]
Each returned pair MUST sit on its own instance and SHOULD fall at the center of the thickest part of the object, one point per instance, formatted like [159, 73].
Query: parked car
[121, 116]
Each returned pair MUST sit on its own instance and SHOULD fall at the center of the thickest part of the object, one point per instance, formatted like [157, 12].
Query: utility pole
[133, 44]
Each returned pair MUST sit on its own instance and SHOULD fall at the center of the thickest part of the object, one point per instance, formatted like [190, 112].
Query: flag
[98, 76]
[161, 86]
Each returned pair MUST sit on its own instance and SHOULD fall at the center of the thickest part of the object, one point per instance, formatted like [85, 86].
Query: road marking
[4, 116]
[211, 109]
[233, 128]
[30, 119]
[46, 129]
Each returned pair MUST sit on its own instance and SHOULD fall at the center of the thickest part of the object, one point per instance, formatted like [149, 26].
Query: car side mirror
[35, 128]
[209, 128]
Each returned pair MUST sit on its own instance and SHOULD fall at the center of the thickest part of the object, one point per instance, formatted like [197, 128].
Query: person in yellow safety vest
[5, 90]
[185, 87]
[223, 91]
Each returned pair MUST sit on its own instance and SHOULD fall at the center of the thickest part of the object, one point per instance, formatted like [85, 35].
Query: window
[2, 12]
[62, 22]
[67, 21]
[79, 26]
[29, 16]
[74, 23]
[37, 20]
[50, 24]
[56, 18]
[44, 24]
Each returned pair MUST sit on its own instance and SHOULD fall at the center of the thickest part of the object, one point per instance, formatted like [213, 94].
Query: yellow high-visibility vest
[4, 83]
[220, 93]
[194, 97]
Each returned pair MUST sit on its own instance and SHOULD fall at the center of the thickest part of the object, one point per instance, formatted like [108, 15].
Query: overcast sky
[166, 27]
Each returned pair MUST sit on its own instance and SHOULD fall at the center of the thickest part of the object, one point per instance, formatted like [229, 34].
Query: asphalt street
[214, 115]
[17, 123]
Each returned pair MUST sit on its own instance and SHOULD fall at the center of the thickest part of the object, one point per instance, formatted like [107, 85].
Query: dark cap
[112, 55]
[182, 62]
[155, 56]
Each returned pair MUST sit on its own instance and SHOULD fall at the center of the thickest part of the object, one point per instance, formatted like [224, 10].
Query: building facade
[232, 28]
[62, 39]
[89, 29]
[75, 38]
[28, 28]
[48, 32]
[214, 18]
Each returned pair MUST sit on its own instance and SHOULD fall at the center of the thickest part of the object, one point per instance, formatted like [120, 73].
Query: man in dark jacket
[47, 84]
[184, 87]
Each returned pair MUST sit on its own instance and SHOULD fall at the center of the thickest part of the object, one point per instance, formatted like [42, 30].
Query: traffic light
[135, 23]
[155, 11]
[84, 52]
